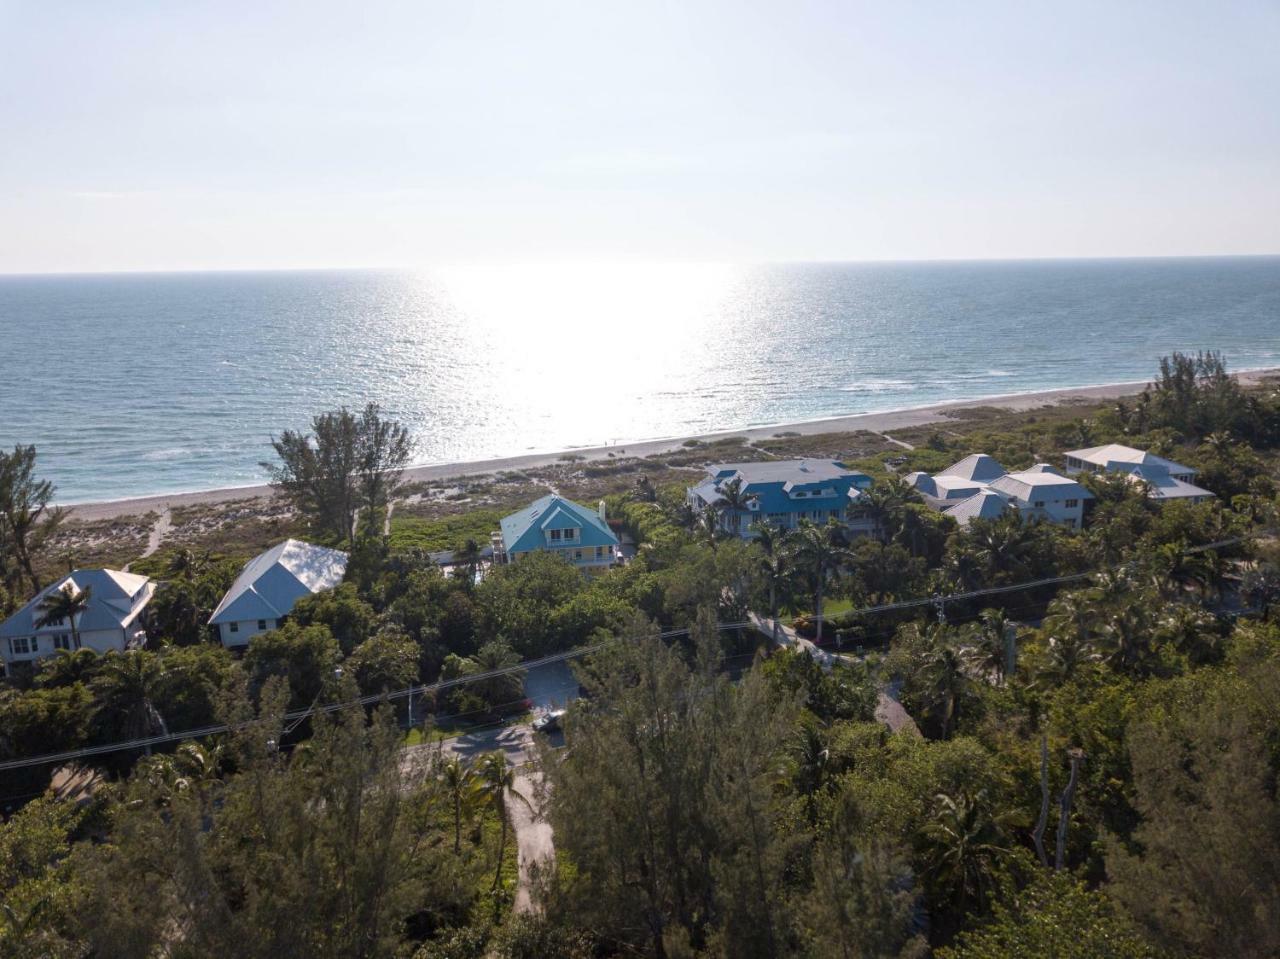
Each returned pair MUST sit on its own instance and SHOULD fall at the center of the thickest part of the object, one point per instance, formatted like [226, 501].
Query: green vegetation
[1094, 772]
[446, 534]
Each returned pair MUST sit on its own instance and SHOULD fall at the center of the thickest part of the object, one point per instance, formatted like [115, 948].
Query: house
[978, 487]
[957, 482]
[556, 525]
[1042, 493]
[270, 583]
[784, 492]
[1164, 479]
[112, 620]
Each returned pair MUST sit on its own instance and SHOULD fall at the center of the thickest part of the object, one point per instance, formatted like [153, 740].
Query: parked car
[548, 722]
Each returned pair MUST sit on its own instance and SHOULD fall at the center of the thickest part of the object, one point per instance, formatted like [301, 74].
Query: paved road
[888, 710]
[549, 687]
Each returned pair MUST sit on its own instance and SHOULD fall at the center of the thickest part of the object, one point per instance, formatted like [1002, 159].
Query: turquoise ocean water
[138, 384]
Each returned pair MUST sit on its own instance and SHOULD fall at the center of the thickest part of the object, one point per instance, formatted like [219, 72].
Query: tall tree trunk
[818, 599]
[502, 846]
[1043, 821]
[1060, 853]
[457, 824]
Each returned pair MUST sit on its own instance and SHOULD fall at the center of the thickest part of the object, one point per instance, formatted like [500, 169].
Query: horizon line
[888, 261]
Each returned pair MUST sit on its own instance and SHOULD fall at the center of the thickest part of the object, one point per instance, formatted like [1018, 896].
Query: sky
[226, 135]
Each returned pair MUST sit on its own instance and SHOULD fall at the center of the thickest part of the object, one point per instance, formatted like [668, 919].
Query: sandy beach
[880, 422]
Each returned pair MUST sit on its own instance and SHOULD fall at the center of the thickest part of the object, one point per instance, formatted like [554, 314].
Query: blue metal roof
[787, 486]
[526, 529]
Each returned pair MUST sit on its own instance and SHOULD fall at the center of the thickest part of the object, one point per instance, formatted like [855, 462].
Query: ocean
[136, 384]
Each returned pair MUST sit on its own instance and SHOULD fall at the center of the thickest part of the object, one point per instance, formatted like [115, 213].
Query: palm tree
[1069, 626]
[67, 667]
[188, 564]
[497, 779]
[497, 656]
[461, 788]
[126, 688]
[1127, 635]
[467, 557]
[810, 762]
[734, 501]
[989, 654]
[966, 848]
[1001, 546]
[707, 527]
[772, 540]
[1261, 587]
[944, 681]
[886, 501]
[819, 551]
[63, 604]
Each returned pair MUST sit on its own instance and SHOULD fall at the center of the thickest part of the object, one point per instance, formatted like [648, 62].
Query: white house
[270, 583]
[978, 487]
[112, 620]
[958, 481]
[1164, 479]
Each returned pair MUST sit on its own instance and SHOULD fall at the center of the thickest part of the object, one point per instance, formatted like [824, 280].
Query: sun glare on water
[594, 338]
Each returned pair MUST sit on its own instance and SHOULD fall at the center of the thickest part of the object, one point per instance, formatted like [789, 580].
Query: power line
[299, 715]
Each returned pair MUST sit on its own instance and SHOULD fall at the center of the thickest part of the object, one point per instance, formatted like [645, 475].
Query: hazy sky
[174, 135]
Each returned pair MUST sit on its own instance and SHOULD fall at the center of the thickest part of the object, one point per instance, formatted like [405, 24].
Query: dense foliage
[1087, 767]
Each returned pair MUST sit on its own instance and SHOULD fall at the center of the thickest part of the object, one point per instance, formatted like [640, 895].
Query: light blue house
[557, 525]
[270, 583]
[784, 492]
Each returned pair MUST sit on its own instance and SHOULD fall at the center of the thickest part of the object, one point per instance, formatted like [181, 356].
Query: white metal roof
[273, 581]
[1115, 455]
[115, 600]
[979, 467]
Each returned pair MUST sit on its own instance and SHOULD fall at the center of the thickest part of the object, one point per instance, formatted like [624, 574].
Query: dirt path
[159, 530]
[534, 840]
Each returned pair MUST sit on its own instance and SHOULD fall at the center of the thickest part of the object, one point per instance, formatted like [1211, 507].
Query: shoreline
[876, 422]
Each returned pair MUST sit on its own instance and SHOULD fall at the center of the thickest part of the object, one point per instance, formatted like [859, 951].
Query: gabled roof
[1114, 456]
[273, 581]
[525, 530]
[983, 505]
[115, 600]
[1161, 485]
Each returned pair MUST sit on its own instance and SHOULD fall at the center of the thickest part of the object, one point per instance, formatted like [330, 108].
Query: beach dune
[880, 422]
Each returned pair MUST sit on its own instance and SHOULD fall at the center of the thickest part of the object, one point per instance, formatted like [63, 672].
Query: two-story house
[112, 620]
[268, 586]
[1163, 479]
[782, 492]
[556, 525]
[978, 487]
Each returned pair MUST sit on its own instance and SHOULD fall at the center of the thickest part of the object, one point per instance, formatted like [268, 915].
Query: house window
[235, 627]
[21, 645]
[1071, 503]
[599, 552]
[1039, 504]
[62, 641]
[577, 554]
[262, 624]
[555, 535]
